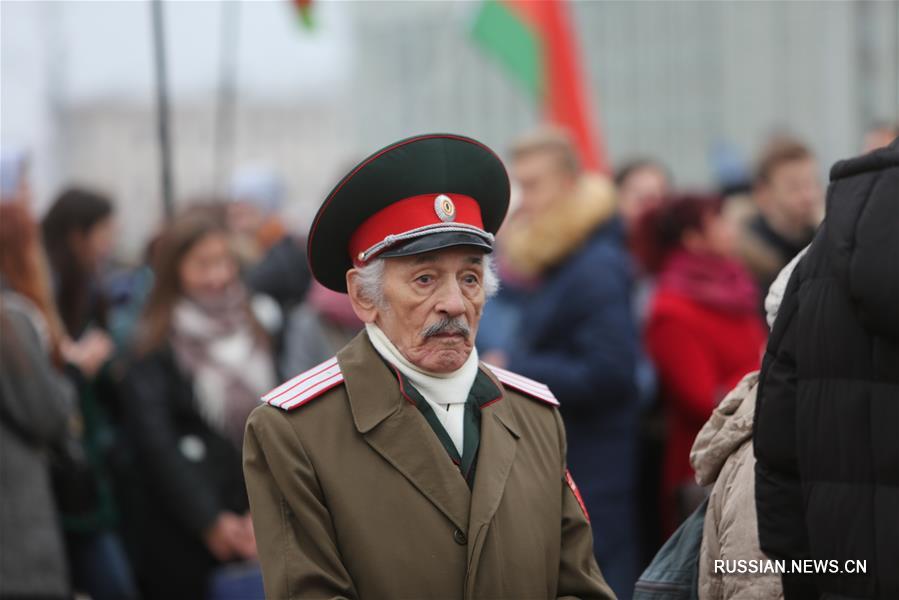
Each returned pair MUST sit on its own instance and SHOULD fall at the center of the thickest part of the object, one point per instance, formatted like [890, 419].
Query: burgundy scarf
[712, 281]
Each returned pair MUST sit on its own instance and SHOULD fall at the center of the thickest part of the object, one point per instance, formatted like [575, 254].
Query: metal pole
[223, 137]
[162, 110]
[896, 60]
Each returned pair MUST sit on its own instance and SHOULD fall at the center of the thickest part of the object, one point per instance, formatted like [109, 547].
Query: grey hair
[371, 280]
[491, 278]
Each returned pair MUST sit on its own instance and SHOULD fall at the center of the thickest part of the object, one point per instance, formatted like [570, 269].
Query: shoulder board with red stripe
[526, 386]
[306, 386]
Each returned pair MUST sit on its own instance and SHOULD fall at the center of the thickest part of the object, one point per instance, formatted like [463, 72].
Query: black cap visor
[437, 241]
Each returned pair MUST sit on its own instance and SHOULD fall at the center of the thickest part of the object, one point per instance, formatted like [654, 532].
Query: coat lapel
[396, 430]
[499, 440]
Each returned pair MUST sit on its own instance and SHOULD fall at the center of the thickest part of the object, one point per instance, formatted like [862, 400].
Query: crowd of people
[645, 308]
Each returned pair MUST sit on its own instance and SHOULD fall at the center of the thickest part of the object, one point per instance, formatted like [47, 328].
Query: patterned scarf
[216, 344]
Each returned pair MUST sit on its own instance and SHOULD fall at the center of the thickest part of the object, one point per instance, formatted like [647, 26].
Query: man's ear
[364, 307]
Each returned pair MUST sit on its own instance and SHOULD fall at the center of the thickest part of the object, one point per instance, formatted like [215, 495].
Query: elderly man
[403, 467]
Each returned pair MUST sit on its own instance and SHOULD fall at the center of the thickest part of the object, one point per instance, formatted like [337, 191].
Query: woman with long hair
[35, 410]
[703, 331]
[78, 235]
[201, 362]
[23, 269]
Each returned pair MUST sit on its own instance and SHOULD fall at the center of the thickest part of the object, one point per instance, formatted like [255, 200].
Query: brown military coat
[353, 496]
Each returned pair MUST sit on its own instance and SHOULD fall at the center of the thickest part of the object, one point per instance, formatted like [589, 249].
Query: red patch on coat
[577, 494]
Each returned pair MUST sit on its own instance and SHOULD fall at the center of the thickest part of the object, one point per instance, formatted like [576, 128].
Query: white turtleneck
[445, 392]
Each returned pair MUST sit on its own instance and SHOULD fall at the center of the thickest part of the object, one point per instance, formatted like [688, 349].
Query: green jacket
[354, 496]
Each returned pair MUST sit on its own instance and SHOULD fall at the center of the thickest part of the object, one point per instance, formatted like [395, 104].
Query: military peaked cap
[417, 195]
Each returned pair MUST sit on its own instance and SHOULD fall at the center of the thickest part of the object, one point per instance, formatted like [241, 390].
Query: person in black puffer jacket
[826, 428]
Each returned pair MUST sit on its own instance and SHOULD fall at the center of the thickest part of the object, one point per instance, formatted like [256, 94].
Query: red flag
[304, 9]
[537, 42]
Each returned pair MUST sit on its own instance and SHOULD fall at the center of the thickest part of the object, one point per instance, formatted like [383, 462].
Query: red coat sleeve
[685, 366]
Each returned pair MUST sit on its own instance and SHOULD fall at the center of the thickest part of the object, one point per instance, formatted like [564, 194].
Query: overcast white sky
[88, 51]
[103, 49]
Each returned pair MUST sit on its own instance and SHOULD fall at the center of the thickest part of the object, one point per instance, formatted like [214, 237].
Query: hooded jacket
[827, 417]
[722, 457]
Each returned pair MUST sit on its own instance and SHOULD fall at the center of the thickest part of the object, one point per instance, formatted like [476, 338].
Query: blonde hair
[549, 140]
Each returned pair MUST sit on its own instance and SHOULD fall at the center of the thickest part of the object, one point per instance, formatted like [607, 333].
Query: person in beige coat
[404, 467]
[722, 457]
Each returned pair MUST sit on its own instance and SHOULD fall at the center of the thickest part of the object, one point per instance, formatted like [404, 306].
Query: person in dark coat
[827, 476]
[575, 331]
[201, 359]
[78, 232]
[282, 273]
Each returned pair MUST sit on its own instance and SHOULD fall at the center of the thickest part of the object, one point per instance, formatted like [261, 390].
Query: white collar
[439, 388]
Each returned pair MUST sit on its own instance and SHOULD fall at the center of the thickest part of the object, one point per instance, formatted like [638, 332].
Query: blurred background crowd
[160, 162]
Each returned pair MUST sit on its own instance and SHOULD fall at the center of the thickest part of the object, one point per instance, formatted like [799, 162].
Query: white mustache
[456, 325]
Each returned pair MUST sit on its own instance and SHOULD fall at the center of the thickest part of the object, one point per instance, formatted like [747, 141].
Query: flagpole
[223, 137]
[162, 110]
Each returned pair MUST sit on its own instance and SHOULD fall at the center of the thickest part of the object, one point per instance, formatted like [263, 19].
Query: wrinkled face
[795, 192]
[542, 181]
[208, 268]
[643, 190]
[432, 306]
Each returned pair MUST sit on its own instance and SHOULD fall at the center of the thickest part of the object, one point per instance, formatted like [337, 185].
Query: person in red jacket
[703, 332]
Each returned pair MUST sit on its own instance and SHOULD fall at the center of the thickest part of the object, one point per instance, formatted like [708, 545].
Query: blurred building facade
[667, 80]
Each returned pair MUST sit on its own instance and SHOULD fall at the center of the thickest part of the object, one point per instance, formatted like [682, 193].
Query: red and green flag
[535, 40]
[304, 10]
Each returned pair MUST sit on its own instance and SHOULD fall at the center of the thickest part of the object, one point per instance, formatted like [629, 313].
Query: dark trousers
[99, 566]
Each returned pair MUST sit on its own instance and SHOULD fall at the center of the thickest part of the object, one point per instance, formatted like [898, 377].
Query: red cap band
[428, 212]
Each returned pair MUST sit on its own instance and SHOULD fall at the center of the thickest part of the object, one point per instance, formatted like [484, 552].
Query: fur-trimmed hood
[531, 246]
